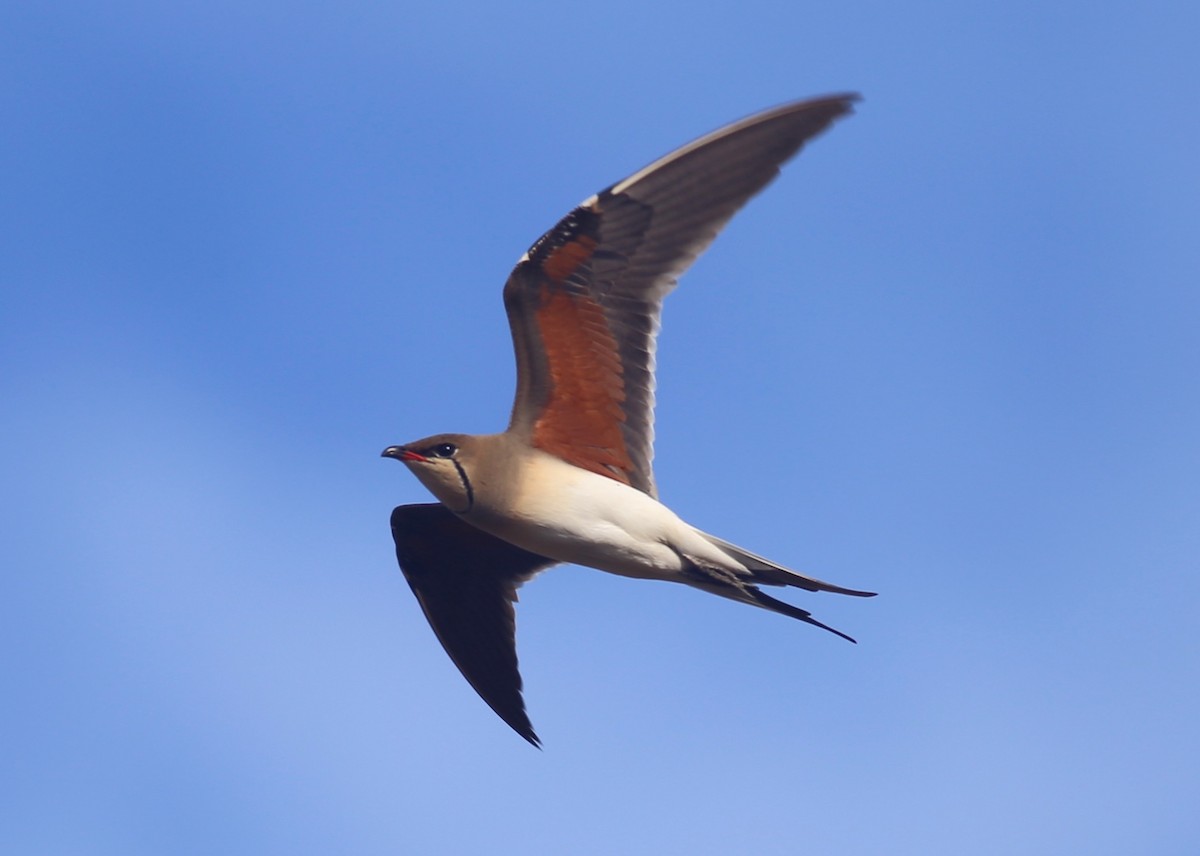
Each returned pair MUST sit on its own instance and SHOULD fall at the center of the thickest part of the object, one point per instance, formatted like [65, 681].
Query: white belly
[573, 515]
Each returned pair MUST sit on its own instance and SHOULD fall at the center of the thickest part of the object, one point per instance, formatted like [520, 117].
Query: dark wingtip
[518, 721]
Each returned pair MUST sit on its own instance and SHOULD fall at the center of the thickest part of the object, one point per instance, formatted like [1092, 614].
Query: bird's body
[542, 504]
[573, 515]
[570, 480]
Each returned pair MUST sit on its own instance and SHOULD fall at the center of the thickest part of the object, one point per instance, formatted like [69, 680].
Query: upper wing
[584, 302]
[466, 582]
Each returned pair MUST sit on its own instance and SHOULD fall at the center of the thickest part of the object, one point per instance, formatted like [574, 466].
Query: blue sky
[951, 356]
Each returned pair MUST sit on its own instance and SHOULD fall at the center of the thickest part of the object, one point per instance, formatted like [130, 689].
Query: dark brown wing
[466, 582]
[584, 302]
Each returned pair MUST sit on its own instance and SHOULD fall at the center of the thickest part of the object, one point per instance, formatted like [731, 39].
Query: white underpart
[573, 515]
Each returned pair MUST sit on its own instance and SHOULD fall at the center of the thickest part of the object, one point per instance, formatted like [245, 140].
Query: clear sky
[952, 355]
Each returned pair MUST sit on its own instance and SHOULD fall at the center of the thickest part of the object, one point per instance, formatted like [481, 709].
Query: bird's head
[442, 463]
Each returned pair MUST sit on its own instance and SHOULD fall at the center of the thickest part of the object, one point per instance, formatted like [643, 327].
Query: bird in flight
[570, 479]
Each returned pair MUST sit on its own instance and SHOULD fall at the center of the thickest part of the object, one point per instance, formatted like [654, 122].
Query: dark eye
[443, 450]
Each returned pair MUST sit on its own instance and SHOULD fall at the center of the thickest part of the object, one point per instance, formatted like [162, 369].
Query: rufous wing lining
[584, 302]
[581, 414]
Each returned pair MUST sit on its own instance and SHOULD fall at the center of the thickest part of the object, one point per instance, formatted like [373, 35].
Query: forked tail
[768, 573]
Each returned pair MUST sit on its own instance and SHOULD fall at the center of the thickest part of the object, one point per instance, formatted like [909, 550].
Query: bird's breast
[572, 515]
